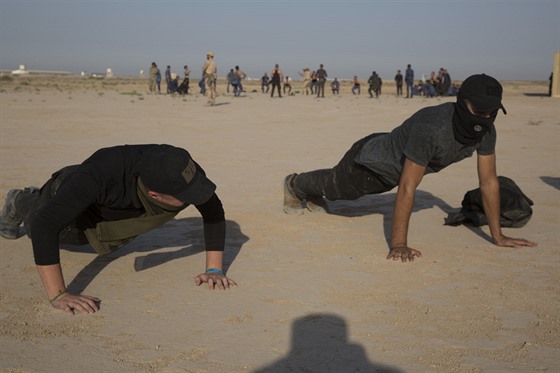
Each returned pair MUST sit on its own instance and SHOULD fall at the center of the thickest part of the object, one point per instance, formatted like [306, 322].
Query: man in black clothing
[112, 197]
[398, 82]
[409, 79]
[321, 79]
[374, 82]
[277, 77]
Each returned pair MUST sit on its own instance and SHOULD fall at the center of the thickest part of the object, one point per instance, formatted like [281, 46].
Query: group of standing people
[374, 85]
[436, 85]
[207, 83]
[313, 82]
[171, 80]
[408, 80]
[276, 79]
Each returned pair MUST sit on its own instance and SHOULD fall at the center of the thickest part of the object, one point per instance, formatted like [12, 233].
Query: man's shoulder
[113, 153]
[432, 118]
[441, 109]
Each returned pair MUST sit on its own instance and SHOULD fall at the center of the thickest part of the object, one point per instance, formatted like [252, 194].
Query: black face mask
[469, 128]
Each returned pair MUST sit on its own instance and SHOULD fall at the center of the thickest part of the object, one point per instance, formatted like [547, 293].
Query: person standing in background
[409, 80]
[277, 77]
[153, 76]
[306, 75]
[210, 74]
[398, 82]
[321, 79]
[168, 79]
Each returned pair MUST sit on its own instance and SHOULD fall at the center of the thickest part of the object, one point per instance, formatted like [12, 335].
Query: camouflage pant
[152, 85]
[211, 88]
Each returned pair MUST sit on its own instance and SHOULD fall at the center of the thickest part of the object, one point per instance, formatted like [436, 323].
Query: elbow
[408, 186]
[212, 211]
[489, 183]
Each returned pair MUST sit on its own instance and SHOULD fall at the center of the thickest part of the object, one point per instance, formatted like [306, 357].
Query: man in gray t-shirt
[430, 140]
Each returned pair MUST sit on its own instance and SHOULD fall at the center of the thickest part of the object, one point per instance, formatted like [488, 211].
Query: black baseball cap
[169, 170]
[483, 92]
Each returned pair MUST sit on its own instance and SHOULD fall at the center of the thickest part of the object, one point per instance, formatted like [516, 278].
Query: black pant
[321, 88]
[275, 84]
[347, 180]
[409, 93]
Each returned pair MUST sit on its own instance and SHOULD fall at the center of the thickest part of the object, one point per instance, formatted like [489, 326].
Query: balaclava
[485, 95]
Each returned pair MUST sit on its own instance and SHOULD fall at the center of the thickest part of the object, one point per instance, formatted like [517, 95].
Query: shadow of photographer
[174, 233]
[320, 344]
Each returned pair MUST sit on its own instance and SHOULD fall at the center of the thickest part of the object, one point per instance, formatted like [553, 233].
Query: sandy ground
[315, 293]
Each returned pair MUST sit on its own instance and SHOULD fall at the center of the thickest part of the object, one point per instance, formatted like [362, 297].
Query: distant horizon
[251, 79]
[99, 74]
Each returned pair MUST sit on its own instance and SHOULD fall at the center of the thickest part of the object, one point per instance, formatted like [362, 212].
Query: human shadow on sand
[552, 181]
[383, 204]
[320, 344]
[178, 232]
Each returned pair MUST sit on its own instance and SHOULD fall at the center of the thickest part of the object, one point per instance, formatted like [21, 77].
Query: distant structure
[107, 74]
[21, 71]
[556, 76]
[24, 71]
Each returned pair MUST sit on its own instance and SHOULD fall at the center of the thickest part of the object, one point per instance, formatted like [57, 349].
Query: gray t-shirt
[427, 139]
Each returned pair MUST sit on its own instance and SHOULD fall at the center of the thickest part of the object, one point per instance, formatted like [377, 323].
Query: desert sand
[315, 292]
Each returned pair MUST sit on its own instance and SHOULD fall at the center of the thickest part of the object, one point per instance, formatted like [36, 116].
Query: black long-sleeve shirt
[104, 188]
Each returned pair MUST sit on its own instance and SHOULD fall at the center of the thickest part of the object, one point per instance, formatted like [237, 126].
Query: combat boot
[292, 204]
[10, 220]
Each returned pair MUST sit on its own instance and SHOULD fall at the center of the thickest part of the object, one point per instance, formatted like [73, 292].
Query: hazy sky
[506, 39]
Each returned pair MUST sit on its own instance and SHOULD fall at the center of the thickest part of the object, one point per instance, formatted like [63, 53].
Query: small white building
[21, 71]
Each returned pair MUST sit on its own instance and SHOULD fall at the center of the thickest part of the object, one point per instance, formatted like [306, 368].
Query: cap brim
[200, 190]
[486, 105]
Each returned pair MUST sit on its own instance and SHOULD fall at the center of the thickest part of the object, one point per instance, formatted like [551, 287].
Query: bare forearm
[399, 235]
[214, 259]
[53, 281]
[491, 202]
[401, 217]
[410, 179]
[52, 278]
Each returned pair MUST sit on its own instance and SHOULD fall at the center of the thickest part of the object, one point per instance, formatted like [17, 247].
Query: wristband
[214, 270]
[57, 296]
